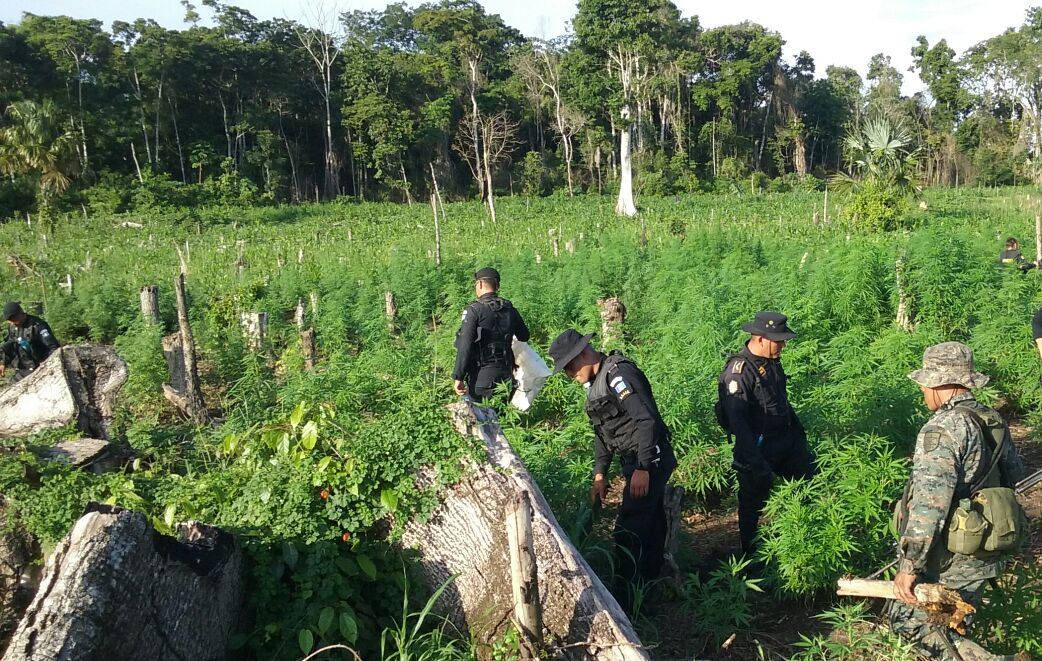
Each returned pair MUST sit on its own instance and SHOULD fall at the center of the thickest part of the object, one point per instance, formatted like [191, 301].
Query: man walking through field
[484, 343]
[963, 451]
[753, 406]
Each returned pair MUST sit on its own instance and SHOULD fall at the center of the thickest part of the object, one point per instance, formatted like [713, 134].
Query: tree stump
[150, 304]
[613, 314]
[91, 454]
[254, 329]
[466, 537]
[307, 345]
[75, 385]
[114, 588]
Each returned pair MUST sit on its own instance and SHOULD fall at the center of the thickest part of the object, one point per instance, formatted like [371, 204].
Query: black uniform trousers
[640, 532]
[482, 382]
[790, 459]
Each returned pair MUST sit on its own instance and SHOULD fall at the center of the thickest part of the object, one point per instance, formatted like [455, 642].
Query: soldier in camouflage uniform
[949, 451]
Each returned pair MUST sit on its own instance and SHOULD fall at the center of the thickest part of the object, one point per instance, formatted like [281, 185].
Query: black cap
[567, 346]
[11, 310]
[770, 324]
[487, 273]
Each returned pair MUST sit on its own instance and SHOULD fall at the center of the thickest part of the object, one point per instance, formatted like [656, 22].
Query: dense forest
[380, 105]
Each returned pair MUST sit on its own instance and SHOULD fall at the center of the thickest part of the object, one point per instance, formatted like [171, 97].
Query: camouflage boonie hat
[948, 363]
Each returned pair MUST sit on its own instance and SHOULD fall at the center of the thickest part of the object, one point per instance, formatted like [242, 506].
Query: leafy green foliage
[837, 521]
[854, 637]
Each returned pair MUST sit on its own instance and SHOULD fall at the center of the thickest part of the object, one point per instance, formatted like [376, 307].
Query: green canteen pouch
[967, 529]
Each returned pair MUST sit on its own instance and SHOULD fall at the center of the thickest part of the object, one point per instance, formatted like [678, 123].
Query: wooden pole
[190, 400]
[149, 296]
[943, 605]
[298, 314]
[437, 231]
[1038, 241]
[825, 208]
[391, 310]
[524, 577]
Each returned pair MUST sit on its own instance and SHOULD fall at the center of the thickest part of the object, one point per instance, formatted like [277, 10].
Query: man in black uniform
[484, 343]
[29, 341]
[754, 406]
[626, 421]
[1012, 256]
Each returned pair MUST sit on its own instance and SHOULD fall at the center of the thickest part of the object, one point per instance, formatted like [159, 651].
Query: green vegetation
[314, 470]
[375, 104]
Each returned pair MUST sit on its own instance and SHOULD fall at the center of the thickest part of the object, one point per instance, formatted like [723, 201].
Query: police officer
[484, 343]
[954, 451]
[626, 421]
[753, 406]
[1012, 256]
[29, 341]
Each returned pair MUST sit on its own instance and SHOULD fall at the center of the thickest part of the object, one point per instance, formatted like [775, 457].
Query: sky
[834, 32]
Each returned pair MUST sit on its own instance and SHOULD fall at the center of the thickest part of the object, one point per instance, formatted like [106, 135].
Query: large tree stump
[75, 385]
[466, 537]
[114, 588]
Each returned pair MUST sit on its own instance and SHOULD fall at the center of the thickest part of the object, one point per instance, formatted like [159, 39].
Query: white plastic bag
[530, 374]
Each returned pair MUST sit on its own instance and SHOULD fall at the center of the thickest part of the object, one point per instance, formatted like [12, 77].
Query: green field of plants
[314, 469]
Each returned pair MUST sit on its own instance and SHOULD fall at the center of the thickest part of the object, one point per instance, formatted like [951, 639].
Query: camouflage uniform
[949, 450]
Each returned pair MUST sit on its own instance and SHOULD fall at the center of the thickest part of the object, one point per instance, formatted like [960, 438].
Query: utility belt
[496, 354]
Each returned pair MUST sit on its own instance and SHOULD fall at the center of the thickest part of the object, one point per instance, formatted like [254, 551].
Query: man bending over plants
[29, 342]
[959, 515]
[753, 405]
[626, 421]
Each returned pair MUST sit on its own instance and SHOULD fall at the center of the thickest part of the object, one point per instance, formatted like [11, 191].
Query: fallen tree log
[944, 606]
[75, 385]
[466, 537]
[114, 588]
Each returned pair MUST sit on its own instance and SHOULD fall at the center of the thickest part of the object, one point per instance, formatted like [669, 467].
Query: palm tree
[882, 153]
[38, 142]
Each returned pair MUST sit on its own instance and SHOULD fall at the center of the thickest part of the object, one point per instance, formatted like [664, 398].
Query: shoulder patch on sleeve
[738, 366]
[732, 387]
[465, 311]
[621, 388]
[932, 440]
[44, 332]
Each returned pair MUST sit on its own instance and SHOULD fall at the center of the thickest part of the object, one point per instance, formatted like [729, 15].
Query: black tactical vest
[496, 334]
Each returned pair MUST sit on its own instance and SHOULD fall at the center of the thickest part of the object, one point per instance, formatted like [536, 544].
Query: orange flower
[324, 494]
[346, 536]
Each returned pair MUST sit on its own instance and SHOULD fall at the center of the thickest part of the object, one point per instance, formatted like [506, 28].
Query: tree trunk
[116, 589]
[188, 399]
[18, 571]
[149, 295]
[625, 205]
[475, 123]
[75, 385]
[466, 538]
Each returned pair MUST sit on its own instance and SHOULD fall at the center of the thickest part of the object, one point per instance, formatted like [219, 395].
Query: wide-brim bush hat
[11, 310]
[946, 364]
[770, 324]
[567, 346]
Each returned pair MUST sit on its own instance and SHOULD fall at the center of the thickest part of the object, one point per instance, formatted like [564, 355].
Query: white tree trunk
[75, 385]
[115, 589]
[466, 537]
[625, 205]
